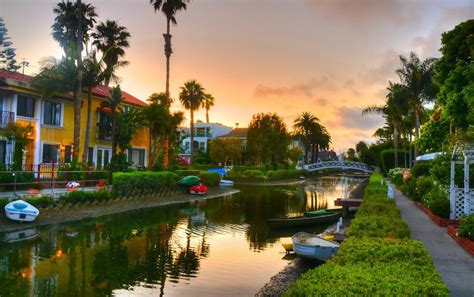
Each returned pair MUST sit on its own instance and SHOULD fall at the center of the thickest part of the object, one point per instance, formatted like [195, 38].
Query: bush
[130, 182]
[210, 179]
[396, 175]
[254, 175]
[422, 168]
[283, 174]
[387, 159]
[466, 228]
[7, 177]
[437, 201]
[81, 196]
[424, 184]
[182, 173]
[42, 201]
[379, 226]
[411, 188]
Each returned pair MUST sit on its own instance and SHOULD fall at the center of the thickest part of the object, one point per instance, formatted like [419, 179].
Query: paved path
[453, 263]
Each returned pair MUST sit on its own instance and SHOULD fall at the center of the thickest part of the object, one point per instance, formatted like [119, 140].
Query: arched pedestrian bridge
[342, 165]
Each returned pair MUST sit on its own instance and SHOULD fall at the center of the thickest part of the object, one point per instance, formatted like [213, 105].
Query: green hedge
[182, 173]
[210, 179]
[81, 196]
[466, 228]
[6, 177]
[129, 182]
[283, 174]
[377, 258]
[388, 161]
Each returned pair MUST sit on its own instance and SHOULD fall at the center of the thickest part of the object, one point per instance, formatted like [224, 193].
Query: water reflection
[219, 247]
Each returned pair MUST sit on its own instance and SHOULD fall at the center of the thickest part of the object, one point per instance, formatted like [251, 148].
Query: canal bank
[86, 211]
[282, 281]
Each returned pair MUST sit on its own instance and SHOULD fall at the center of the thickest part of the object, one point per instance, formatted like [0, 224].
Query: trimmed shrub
[254, 175]
[182, 173]
[130, 182]
[422, 168]
[388, 161]
[466, 228]
[81, 196]
[379, 226]
[437, 201]
[283, 174]
[424, 184]
[210, 179]
[42, 201]
[396, 175]
[6, 177]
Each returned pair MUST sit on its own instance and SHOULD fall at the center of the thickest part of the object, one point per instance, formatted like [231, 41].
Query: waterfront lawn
[377, 258]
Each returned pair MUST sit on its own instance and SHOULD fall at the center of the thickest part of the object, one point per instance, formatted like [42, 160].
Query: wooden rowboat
[321, 212]
[314, 247]
[304, 220]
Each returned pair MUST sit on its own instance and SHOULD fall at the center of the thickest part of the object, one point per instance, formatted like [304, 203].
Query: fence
[54, 176]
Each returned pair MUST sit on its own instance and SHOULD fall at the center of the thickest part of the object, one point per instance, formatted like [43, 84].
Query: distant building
[238, 133]
[203, 132]
[327, 156]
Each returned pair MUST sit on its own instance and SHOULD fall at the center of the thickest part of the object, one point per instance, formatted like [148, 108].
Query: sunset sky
[329, 57]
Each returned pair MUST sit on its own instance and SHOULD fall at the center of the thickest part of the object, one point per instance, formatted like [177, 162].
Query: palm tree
[56, 77]
[191, 97]
[320, 139]
[93, 76]
[71, 30]
[417, 75]
[114, 102]
[208, 102]
[303, 126]
[169, 8]
[394, 111]
[112, 40]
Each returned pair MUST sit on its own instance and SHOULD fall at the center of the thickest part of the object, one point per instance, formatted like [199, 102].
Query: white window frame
[144, 157]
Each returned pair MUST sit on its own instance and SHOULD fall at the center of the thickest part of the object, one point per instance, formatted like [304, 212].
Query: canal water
[218, 247]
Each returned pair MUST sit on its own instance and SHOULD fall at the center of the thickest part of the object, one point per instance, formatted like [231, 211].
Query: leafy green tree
[351, 153]
[267, 139]
[295, 153]
[361, 147]
[111, 39]
[417, 76]
[455, 75]
[114, 103]
[7, 52]
[433, 136]
[224, 149]
[191, 97]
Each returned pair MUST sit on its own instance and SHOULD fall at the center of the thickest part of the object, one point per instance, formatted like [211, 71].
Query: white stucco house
[203, 132]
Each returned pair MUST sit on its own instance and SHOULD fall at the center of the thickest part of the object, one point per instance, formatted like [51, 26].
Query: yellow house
[50, 124]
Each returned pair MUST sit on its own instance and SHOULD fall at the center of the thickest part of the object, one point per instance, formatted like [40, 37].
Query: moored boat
[21, 211]
[198, 190]
[189, 181]
[314, 247]
[321, 212]
[225, 182]
[304, 220]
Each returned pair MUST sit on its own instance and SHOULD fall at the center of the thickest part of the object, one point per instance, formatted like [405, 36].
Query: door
[103, 157]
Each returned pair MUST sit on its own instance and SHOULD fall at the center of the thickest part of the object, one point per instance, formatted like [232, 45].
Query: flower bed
[465, 243]
[436, 219]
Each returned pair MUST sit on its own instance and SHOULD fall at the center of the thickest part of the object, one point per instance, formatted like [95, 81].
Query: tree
[191, 97]
[224, 149]
[169, 8]
[56, 77]
[7, 53]
[455, 76]
[114, 103]
[433, 135]
[361, 147]
[394, 111]
[71, 28]
[267, 139]
[112, 40]
[295, 153]
[313, 134]
[417, 75]
[320, 139]
[208, 102]
[351, 153]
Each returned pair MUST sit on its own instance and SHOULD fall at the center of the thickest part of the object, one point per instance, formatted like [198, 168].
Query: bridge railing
[339, 165]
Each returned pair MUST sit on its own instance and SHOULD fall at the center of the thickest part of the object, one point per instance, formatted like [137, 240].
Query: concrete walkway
[454, 264]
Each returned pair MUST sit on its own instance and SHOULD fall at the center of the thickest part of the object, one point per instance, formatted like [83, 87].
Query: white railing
[462, 204]
[343, 165]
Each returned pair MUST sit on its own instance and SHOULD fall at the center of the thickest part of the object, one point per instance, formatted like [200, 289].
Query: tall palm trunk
[77, 97]
[417, 129]
[317, 153]
[192, 136]
[395, 144]
[313, 151]
[306, 152]
[114, 136]
[168, 52]
[85, 154]
[207, 115]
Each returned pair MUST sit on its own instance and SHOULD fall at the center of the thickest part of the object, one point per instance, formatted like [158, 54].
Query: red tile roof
[101, 90]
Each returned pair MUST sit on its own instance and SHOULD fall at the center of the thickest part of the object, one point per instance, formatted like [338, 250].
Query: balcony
[6, 117]
[104, 131]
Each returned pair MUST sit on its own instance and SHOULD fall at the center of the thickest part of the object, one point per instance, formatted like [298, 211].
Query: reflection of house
[203, 132]
[50, 124]
[237, 133]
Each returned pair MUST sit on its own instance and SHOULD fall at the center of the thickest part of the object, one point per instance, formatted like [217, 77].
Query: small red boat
[198, 190]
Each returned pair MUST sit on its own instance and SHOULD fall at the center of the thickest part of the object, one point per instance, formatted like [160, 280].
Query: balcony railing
[103, 132]
[6, 117]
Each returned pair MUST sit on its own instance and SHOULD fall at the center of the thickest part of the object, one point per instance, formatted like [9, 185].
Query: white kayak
[225, 182]
[313, 246]
[21, 211]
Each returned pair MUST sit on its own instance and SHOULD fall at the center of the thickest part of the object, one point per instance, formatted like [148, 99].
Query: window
[68, 154]
[50, 153]
[52, 113]
[201, 132]
[3, 151]
[104, 126]
[136, 157]
[25, 106]
[90, 156]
